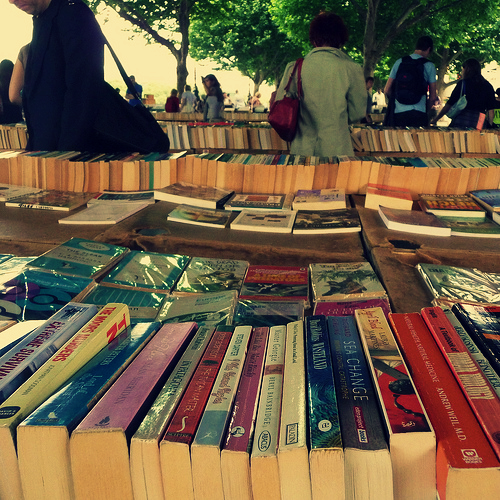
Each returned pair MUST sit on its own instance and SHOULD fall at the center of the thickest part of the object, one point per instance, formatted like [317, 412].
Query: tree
[242, 35]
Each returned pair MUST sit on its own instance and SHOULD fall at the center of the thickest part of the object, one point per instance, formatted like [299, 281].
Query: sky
[148, 63]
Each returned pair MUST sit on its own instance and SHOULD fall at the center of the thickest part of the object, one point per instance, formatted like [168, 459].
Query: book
[12, 332]
[175, 457]
[145, 466]
[264, 469]
[113, 197]
[326, 455]
[77, 351]
[458, 284]
[293, 453]
[327, 221]
[35, 294]
[270, 313]
[46, 432]
[51, 200]
[413, 221]
[272, 222]
[205, 274]
[147, 271]
[80, 257]
[194, 195]
[9, 191]
[347, 307]
[284, 283]
[412, 442]
[208, 440]
[488, 198]
[319, 199]
[239, 201]
[18, 364]
[466, 466]
[344, 281]
[104, 213]
[457, 205]
[368, 467]
[209, 217]
[235, 454]
[106, 431]
[387, 196]
[208, 309]
[472, 227]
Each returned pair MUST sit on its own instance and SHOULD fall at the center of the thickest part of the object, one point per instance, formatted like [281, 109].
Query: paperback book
[9, 191]
[194, 195]
[488, 198]
[388, 196]
[327, 221]
[239, 202]
[319, 199]
[457, 205]
[272, 222]
[112, 197]
[472, 227]
[209, 217]
[268, 313]
[347, 307]
[51, 200]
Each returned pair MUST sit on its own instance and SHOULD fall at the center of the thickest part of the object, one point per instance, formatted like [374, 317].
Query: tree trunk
[182, 72]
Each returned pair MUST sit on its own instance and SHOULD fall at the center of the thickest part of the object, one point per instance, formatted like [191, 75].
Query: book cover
[209, 217]
[147, 271]
[319, 199]
[327, 221]
[285, 283]
[80, 257]
[9, 191]
[488, 198]
[194, 195]
[145, 467]
[264, 469]
[413, 221]
[36, 294]
[345, 281]
[104, 213]
[326, 455]
[235, 454]
[270, 313]
[472, 227]
[208, 440]
[412, 442]
[466, 466]
[13, 333]
[347, 308]
[77, 351]
[457, 205]
[387, 196]
[293, 453]
[368, 467]
[207, 309]
[18, 364]
[115, 197]
[255, 202]
[106, 431]
[205, 274]
[46, 432]
[174, 448]
[51, 200]
[272, 222]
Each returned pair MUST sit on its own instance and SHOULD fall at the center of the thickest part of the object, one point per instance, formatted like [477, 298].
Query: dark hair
[6, 67]
[369, 79]
[214, 89]
[424, 43]
[472, 68]
[328, 29]
[187, 88]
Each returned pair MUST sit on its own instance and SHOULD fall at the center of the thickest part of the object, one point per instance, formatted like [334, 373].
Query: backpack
[410, 81]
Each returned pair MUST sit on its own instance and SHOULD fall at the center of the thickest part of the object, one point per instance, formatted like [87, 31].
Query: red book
[466, 466]
[107, 429]
[474, 383]
[174, 448]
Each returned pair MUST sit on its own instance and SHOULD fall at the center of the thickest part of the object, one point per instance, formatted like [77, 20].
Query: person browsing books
[214, 103]
[334, 92]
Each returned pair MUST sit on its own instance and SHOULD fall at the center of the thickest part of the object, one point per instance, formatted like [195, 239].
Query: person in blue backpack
[410, 79]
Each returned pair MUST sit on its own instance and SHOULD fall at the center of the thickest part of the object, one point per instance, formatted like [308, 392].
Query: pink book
[107, 429]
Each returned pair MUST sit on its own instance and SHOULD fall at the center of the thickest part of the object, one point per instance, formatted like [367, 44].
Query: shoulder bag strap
[298, 67]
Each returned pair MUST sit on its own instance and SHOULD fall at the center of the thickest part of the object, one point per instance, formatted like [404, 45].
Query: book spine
[474, 384]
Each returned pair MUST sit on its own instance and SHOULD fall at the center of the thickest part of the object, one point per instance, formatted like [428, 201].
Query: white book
[104, 212]
[271, 222]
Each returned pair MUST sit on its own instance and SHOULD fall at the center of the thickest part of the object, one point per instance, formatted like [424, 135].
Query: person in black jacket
[9, 112]
[64, 75]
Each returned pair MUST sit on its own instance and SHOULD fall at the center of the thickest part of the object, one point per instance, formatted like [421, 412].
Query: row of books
[245, 173]
[229, 115]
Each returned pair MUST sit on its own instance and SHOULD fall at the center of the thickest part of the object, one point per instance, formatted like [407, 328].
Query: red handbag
[283, 114]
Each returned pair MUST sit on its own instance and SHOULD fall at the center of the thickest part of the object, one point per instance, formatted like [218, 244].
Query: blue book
[326, 455]
[368, 467]
[46, 432]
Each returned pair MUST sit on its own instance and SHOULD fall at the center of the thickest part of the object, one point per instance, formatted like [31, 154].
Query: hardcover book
[412, 442]
[239, 202]
[261, 313]
[106, 431]
[191, 194]
[327, 221]
[51, 200]
[270, 222]
[466, 466]
[488, 198]
[209, 217]
[368, 466]
[319, 199]
[235, 454]
[46, 432]
[205, 274]
[457, 205]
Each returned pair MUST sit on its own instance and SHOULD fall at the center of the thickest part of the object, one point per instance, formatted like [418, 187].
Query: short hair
[472, 68]
[369, 79]
[174, 92]
[328, 29]
[424, 42]
[187, 87]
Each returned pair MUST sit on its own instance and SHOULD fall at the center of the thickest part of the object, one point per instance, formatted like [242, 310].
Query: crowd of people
[56, 83]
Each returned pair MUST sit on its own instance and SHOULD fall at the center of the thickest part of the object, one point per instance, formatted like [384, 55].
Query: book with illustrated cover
[205, 274]
[388, 196]
[267, 313]
[147, 271]
[12, 332]
[80, 257]
[457, 205]
[194, 195]
[209, 217]
[347, 307]
[327, 221]
[9, 191]
[51, 200]
[272, 222]
[319, 199]
[345, 281]
[413, 221]
[256, 202]
[112, 197]
[10, 268]
[472, 227]
[284, 283]
[488, 198]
